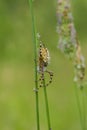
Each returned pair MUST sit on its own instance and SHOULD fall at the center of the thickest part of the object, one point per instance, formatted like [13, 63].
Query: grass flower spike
[79, 66]
[70, 46]
[68, 41]
[66, 30]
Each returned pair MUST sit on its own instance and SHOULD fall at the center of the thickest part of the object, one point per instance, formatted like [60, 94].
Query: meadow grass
[17, 104]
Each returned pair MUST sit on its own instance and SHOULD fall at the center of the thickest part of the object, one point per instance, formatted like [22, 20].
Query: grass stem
[47, 106]
[84, 109]
[35, 58]
[79, 106]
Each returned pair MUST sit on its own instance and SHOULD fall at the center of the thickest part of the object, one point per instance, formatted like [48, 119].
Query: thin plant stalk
[79, 106]
[84, 109]
[35, 58]
[47, 106]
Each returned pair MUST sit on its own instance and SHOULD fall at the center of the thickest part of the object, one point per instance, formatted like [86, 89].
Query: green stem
[35, 57]
[79, 107]
[84, 109]
[47, 106]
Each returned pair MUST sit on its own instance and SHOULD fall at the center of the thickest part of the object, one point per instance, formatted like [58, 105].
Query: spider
[43, 61]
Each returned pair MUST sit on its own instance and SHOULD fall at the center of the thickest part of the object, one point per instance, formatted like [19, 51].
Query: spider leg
[41, 79]
[51, 77]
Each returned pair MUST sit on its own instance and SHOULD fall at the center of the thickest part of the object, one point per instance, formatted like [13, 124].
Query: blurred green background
[17, 99]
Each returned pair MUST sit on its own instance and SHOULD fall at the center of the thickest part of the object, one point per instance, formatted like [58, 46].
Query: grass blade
[35, 58]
